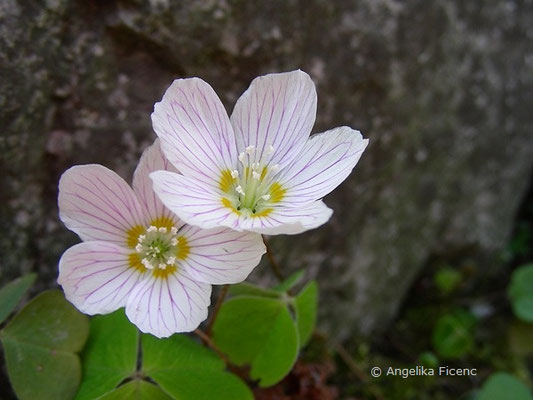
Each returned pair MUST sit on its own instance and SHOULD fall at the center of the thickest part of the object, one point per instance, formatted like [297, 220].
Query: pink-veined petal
[277, 110]
[289, 221]
[96, 276]
[98, 204]
[192, 201]
[195, 131]
[326, 160]
[221, 255]
[163, 306]
[152, 160]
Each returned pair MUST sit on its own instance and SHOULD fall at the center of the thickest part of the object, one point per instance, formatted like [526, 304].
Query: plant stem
[273, 263]
[209, 343]
[218, 304]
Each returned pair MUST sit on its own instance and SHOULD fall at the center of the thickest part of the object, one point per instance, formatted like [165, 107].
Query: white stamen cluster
[157, 247]
[253, 179]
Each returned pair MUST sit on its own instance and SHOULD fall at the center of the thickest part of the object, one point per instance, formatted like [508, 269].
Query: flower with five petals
[257, 171]
[137, 254]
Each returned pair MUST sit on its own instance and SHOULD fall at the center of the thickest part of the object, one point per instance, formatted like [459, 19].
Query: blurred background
[415, 265]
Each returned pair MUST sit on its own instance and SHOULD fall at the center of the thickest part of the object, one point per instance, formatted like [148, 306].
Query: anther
[141, 238]
[163, 229]
[234, 174]
[139, 248]
[250, 149]
[241, 157]
[274, 168]
[171, 260]
[174, 241]
[151, 229]
[162, 266]
[255, 175]
[266, 197]
[270, 149]
[239, 190]
[174, 230]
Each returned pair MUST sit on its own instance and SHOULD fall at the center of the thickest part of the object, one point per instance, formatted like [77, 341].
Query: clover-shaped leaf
[40, 345]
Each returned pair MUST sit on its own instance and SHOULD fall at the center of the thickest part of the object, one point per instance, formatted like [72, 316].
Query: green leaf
[40, 344]
[447, 279]
[521, 292]
[109, 356]
[136, 390]
[11, 294]
[453, 334]
[503, 386]
[188, 371]
[259, 332]
[290, 282]
[306, 304]
[247, 289]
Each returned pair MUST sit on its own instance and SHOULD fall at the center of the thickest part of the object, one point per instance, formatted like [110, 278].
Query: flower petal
[97, 277]
[163, 306]
[195, 131]
[277, 110]
[290, 221]
[98, 204]
[192, 201]
[326, 160]
[152, 160]
[221, 256]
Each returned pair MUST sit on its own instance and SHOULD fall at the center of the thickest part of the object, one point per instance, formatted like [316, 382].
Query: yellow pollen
[276, 192]
[226, 181]
[183, 248]
[226, 203]
[164, 273]
[161, 222]
[132, 235]
[135, 262]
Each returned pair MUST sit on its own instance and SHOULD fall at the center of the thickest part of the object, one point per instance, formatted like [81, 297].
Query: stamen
[171, 260]
[174, 241]
[241, 157]
[250, 149]
[163, 229]
[162, 266]
[270, 149]
[151, 229]
[239, 190]
[274, 168]
[255, 175]
[139, 248]
[266, 197]
[141, 238]
[147, 264]
[174, 230]
[234, 174]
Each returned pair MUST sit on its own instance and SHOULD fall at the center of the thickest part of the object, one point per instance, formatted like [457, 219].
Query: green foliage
[136, 390]
[428, 359]
[189, 371]
[260, 332]
[521, 292]
[40, 343]
[290, 282]
[11, 294]
[248, 289]
[265, 328]
[447, 279]
[109, 356]
[306, 304]
[453, 334]
[503, 386]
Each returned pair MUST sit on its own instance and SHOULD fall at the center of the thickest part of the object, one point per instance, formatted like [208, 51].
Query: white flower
[258, 171]
[138, 254]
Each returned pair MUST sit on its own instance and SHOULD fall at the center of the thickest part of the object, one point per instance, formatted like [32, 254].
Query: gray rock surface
[442, 88]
